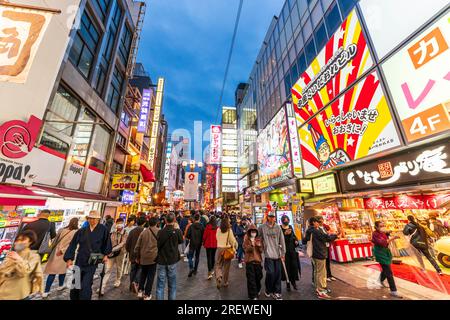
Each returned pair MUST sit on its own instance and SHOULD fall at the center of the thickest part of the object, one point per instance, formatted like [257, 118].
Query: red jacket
[209, 237]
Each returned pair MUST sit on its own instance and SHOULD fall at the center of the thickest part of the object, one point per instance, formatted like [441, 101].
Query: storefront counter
[344, 251]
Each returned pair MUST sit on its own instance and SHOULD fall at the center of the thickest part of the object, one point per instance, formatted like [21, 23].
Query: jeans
[211, 258]
[273, 275]
[427, 254]
[135, 271]
[328, 267]
[386, 273]
[169, 272]
[51, 278]
[87, 279]
[147, 277]
[253, 271]
[240, 253]
[191, 254]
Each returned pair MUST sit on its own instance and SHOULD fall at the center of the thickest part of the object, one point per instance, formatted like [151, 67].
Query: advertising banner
[144, 115]
[343, 60]
[167, 164]
[356, 125]
[125, 182]
[281, 214]
[216, 141]
[419, 80]
[191, 186]
[274, 156]
[127, 197]
[429, 163]
[294, 142]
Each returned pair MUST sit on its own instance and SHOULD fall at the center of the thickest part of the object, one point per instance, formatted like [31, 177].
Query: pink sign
[216, 144]
[17, 138]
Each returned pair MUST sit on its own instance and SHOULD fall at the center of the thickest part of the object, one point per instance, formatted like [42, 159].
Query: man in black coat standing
[195, 237]
[41, 227]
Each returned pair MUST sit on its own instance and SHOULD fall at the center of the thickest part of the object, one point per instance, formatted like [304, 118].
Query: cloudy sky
[187, 42]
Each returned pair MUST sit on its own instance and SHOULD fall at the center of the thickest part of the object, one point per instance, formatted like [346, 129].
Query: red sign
[407, 202]
[125, 186]
[17, 138]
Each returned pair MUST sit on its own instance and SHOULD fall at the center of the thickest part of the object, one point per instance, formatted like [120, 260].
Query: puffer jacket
[195, 235]
[209, 237]
[253, 250]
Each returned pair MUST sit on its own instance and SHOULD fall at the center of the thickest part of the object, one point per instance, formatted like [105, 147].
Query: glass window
[299, 42]
[101, 7]
[302, 7]
[286, 65]
[321, 36]
[283, 41]
[54, 143]
[63, 108]
[294, 73]
[316, 14]
[116, 167]
[125, 118]
[346, 6]
[115, 89]
[125, 46]
[278, 51]
[100, 147]
[84, 45]
[82, 138]
[333, 19]
[326, 4]
[292, 54]
[285, 11]
[311, 4]
[301, 63]
[310, 51]
[307, 29]
[288, 29]
[295, 18]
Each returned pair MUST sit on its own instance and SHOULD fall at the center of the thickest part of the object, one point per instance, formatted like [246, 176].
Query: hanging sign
[191, 186]
[216, 141]
[324, 185]
[125, 182]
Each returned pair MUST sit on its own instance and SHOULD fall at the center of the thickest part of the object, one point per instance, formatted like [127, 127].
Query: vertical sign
[155, 125]
[167, 164]
[216, 145]
[295, 145]
[191, 186]
[145, 108]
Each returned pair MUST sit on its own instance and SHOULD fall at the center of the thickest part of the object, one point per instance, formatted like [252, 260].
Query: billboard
[274, 156]
[356, 125]
[419, 80]
[155, 123]
[216, 141]
[343, 60]
[191, 186]
[145, 110]
[125, 182]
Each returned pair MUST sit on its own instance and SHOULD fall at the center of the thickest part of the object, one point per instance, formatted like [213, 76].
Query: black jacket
[168, 240]
[40, 227]
[132, 239]
[195, 235]
[418, 235]
[319, 241]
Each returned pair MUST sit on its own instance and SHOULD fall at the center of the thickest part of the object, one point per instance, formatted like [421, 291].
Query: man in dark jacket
[41, 227]
[109, 222]
[168, 256]
[93, 239]
[239, 229]
[195, 237]
[129, 246]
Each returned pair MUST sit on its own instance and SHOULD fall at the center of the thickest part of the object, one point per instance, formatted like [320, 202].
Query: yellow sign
[306, 186]
[125, 182]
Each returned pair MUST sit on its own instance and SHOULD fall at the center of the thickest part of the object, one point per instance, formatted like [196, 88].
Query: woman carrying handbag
[226, 250]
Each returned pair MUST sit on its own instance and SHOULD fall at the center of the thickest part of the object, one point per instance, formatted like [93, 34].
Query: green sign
[324, 185]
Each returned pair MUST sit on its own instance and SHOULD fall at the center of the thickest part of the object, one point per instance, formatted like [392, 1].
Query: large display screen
[274, 156]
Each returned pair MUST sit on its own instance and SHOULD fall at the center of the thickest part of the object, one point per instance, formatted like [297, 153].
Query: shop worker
[41, 227]
[383, 256]
[94, 246]
[21, 273]
[274, 251]
[117, 255]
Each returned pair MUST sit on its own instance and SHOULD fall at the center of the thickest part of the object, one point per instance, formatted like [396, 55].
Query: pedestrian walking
[20, 272]
[130, 245]
[204, 219]
[419, 240]
[195, 238]
[308, 243]
[274, 251]
[226, 249]
[145, 253]
[292, 260]
[94, 246]
[252, 246]
[109, 222]
[168, 256]
[210, 244]
[239, 233]
[325, 229]
[130, 224]
[45, 232]
[383, 255]
[56, 266]
[117, 255]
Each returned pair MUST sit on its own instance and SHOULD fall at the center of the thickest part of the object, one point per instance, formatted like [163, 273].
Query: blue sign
[145, 110]
[127, 197]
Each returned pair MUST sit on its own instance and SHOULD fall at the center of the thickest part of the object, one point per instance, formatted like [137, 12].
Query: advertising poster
[356, 125]
[274, 156]
[343, 60]
[280, 215]
[191, 186]
[419, 80]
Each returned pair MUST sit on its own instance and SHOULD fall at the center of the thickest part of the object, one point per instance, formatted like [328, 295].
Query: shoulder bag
[309, 247]
[94, 257]
[228, 253]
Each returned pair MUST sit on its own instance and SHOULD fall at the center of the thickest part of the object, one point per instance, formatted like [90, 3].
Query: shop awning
[20, 196]
[74, 195]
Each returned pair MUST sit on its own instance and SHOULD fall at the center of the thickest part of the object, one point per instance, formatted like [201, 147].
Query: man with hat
[274, 246]
[324, 155]
[92, 242]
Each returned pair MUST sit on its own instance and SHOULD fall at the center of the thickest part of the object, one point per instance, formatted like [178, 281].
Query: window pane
[84, 65]
[288, 29]
[294, 73]
[299, 42]
[307, 29]
[333, 19]
[295, 18]
[64, 108]
[292, 54]
[316, 15]
[54, 143]
[301, 63]
[310, 51]
[283, 41]
[100, 147]
[321, 36]
[302, 7]
[326, 4]
[346, 6]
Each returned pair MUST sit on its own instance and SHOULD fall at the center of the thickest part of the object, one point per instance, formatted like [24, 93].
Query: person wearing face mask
[116, 257]
[21, 273]
[253, 258]
[292, 260]
[383, 255]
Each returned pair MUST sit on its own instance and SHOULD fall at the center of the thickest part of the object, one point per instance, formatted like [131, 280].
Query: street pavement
[199, 288]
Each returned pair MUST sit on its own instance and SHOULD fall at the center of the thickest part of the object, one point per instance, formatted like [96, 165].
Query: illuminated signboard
[167, 164]
[128, 197]
[155, 125]
[145, 108]
[295, 145]
[216, 132]
[125, 182]
[324, 185]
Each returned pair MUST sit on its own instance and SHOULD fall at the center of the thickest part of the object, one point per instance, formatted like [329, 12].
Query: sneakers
[323, 295]
[219, 283]
[147, 298]
[116, 284]
[190, 273]
[395, 294]
[277, 296]
[140, 294]
[240, 265]
[333, 279]
[61, 288]
[329, 279]
[209, 276]
[45, 295]
[268, 295]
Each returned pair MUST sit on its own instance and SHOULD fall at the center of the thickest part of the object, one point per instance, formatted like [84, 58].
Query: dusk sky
[187, 42]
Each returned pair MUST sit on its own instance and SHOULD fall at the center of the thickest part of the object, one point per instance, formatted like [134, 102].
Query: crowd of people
[150, 246]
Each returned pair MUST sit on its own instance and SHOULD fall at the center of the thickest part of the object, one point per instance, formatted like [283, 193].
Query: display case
[356, 226]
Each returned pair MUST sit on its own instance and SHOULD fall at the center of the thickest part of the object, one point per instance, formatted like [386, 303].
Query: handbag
[228, 253]
[186, 251]
[94, 258]
[116, 253]
[46, 244]
[309, 247]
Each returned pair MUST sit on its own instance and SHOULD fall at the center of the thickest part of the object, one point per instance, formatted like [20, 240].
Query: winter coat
[239, 233]
[209, 237]
[183, 224]
[381, 250]
[292, 260]
[18, 280]
[418, 235]
[132, 238]
[253, 250]
[168, 240]
[41, 227]
[195, 235]
[319, 242]
[146, 249]
[118, 241]
[56, 263]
